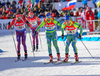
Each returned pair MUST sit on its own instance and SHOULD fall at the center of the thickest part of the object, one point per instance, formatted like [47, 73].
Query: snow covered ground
[36, 67]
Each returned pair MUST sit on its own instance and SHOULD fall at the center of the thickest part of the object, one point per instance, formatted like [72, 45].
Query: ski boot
[25, 55]
[34, 48]
[18, 58]
[18, 53]
[76, 57]
[66, 58]
[58, 56]
[51, 58]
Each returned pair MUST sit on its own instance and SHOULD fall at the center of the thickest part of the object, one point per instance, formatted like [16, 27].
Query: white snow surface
[36, 67]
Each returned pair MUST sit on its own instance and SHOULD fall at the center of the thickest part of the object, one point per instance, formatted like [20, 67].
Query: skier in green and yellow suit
[72, 34]
[50, 30]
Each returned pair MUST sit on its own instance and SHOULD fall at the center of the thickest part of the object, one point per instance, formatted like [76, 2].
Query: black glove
[8, 23]
[35, 33]
[79, 36]
[27, 22]
[62, 36]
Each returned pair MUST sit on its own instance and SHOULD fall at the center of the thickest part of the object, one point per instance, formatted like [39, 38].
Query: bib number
[71, 31]
[33, 23]
[20, 27]
[50, 28]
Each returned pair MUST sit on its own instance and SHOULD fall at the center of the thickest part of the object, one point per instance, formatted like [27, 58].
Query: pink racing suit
[34, 22]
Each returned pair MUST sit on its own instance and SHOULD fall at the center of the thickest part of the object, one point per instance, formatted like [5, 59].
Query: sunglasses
[48, 16]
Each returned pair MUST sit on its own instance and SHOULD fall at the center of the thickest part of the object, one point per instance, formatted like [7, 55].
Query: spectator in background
[9, 10]
[9, 15]
[85, 3]
[30, 3]
[18, 10]
[36, 11]
[42, 11]
[63, 13]
[4, 16]
[13, 5]
[94, 3]
[80, 11]
[1, 10]
[0, 16]
[3, 3]
[49, 5]
[23, 6]
[83, 14]
[71, 13]
[98, 28]
[55, 12]
[20, 2]
[44, 8]
[41, 15]
[13, 10]
[8, 3]
[35, 5]
[96, 18]
[22, 10]
[39, 4]
[77, 12]
[95, 14]
[14, 2]
[49, 2]
[89, 15]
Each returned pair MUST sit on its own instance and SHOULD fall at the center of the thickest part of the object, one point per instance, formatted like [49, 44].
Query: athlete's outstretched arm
[27, 22]
[10, 24]
[62, 28]
[42, 24]
[56, 22]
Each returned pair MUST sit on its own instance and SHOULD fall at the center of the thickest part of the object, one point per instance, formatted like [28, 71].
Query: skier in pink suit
[20, 29]
[34, 22]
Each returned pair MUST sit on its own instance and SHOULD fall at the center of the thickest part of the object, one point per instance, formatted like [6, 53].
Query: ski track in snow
[36, 67]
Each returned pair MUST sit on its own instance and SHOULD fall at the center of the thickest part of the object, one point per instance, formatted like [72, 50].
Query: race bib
[71, 31]
[50, 28]
[33, 23]
[20, 27]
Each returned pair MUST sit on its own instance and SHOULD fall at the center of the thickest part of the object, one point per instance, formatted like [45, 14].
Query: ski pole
[87, 49]
[31, 42]
[40, 42]
[13, 40]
